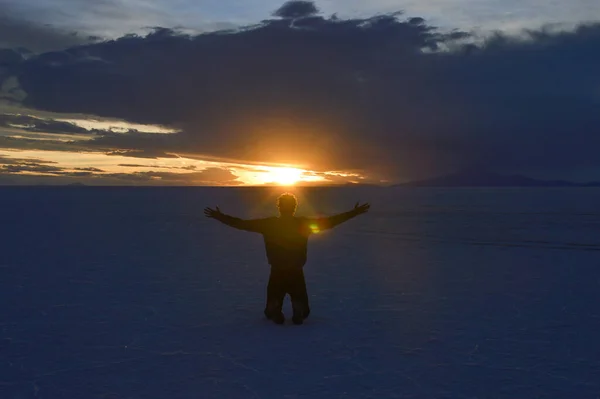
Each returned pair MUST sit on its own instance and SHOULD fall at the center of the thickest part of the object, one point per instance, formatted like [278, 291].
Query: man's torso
[286, 241]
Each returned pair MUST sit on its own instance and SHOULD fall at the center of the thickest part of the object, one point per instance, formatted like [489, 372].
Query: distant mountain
[7, 181]
[482, 178]
[360, 185]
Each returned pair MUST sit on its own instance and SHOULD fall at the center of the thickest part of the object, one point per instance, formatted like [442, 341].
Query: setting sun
[285, 176]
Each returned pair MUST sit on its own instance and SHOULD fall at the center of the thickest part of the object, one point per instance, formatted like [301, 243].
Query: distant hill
[482, 178]
[7, 181]
[360, 185]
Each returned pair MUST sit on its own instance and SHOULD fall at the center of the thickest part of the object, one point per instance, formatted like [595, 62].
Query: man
[286, 239]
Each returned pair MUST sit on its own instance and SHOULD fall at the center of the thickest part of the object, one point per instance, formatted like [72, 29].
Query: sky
[264, 92]
[113, 18]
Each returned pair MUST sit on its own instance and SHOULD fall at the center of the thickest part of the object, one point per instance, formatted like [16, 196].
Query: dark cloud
[46, 172]
[380, 94]
[34, 124]
[43, 145]
[90, 169]
[28, 36]
[11, 168]
[78, 174]
[339, 179]
[66, 178]
[146, 153]
[29, 167]
[210, 176]
[215, 175]
[10, 57]
[19, 161]
[132, 165]
[130, 178]
[296, 9]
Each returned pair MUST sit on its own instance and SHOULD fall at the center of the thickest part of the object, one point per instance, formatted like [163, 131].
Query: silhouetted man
[286, 239]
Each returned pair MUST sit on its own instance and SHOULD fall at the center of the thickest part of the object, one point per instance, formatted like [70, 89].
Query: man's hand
[360, 209]
[212, 213]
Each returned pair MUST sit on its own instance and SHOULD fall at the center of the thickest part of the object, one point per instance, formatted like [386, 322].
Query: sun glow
[284, 176]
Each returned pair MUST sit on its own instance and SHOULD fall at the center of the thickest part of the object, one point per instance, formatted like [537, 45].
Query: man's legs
[299, 296]
[275, 293]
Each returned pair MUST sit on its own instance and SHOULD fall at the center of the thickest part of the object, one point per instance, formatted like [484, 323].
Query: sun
[285, 176]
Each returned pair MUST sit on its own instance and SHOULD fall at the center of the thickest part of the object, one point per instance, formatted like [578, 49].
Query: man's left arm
[325, 223]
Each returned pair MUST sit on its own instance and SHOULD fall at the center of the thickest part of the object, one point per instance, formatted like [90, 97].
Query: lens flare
[314, 228]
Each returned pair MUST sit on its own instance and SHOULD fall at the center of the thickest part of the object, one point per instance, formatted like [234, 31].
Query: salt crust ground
[131, 293]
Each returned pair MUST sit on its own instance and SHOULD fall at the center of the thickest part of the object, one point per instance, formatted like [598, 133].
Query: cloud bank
[389, 95]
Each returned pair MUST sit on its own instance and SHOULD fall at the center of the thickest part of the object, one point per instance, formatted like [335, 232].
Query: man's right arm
[253, 225]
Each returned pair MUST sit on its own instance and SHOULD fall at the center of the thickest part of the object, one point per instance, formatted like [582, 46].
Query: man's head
[287, 204]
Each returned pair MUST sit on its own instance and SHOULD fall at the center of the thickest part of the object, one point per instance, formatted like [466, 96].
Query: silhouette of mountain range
[484, 178]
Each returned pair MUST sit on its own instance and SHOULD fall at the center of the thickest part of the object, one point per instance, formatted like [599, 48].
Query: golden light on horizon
[259, 175]
[96, 167]
[61, 158]
[285, 176]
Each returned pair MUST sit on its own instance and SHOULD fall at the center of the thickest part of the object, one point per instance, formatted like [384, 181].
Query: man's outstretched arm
[255, 225]
[320, 224]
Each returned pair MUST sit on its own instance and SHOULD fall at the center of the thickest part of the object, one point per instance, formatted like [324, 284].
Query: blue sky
[109, 18]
